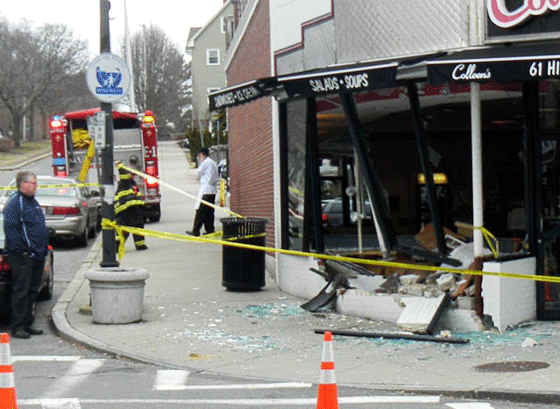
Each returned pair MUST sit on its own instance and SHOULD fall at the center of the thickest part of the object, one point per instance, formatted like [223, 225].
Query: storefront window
[296, 131]
[549, 105]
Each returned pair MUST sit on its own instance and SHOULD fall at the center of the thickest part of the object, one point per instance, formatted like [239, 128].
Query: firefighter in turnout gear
[128, 207]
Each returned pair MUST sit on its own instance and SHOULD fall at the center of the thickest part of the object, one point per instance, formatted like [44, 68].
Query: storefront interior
[330, 207]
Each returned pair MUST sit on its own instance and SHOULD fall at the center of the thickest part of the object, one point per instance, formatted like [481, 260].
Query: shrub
[6, 145]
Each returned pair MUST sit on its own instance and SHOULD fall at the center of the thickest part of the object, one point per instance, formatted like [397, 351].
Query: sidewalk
[191, 321]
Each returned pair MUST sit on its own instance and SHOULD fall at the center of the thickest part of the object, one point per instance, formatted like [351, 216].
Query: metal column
[424, 162]
[312, 219]
[370, 175]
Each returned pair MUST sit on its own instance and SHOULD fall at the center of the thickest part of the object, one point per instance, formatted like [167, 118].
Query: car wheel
[47, 291]
[93, 231]
[82, 238]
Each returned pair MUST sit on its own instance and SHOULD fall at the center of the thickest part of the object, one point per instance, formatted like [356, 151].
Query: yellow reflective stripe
[126, 192]
[128, 204]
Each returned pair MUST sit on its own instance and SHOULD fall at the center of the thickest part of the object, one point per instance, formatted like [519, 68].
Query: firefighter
[128, 207]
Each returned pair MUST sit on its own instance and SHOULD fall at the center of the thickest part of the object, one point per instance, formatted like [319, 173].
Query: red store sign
[510, 20]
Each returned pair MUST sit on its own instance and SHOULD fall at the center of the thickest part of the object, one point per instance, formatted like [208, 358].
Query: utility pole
[107, 188]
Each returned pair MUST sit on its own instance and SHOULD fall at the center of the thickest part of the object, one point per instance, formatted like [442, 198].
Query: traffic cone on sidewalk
[8, 398]
[327, 397]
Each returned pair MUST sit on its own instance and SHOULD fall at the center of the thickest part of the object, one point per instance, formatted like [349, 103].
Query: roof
[86, 113]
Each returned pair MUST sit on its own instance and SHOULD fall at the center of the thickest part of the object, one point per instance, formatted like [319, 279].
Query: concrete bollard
[117, 294]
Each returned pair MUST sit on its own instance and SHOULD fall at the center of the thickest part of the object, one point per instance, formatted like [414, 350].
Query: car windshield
[55, 191]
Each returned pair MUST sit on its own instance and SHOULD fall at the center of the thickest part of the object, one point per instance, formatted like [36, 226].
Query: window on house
[224, 23]
[213, 56]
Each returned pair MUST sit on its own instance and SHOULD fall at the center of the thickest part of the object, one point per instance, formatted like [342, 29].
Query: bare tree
[160, 76]
[33, 62]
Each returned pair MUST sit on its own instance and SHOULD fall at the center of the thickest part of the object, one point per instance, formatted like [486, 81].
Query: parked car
[185, 144]
[334, 217]
[46, 288]
[72, 211]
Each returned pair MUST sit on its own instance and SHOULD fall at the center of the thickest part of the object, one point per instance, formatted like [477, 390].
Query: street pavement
[191, 321]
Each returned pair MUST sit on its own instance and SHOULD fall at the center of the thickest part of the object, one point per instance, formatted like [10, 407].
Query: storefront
[370, 153]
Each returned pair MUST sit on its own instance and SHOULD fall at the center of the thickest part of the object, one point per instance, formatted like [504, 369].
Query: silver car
[71, 210]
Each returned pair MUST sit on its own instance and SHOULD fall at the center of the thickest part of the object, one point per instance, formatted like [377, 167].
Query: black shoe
[33, 331]
[143, 247]
[193, 233]
[20, 333]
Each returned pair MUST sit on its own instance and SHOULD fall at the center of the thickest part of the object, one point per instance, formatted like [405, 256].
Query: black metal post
[107, 188]
[285, 219]
[366, 166]
[428, 174]
[312, 223]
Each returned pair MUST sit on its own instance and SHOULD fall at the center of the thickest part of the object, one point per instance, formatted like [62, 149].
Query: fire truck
[134, 145]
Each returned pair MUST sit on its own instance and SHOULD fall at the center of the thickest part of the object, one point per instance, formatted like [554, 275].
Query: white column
[476, 136]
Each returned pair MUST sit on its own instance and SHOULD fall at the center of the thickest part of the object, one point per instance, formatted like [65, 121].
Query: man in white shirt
[207, 174]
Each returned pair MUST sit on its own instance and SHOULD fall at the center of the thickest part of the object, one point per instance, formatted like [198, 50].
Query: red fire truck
[134, 145]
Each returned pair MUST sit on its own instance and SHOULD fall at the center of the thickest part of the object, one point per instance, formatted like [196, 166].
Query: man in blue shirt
[27, 242]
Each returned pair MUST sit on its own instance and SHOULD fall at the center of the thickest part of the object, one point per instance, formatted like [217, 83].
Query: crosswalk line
[255, 402]
[170, 380]
[45, 358]
[77, 374]
[470, 405]
[65, 403]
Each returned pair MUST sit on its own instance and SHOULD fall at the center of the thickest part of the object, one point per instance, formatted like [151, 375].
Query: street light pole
[107, 188]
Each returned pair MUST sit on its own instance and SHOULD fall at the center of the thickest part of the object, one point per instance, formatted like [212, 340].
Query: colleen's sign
[497, 64]
[509, 20]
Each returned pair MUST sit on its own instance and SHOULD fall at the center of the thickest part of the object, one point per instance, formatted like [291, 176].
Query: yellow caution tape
[107, 224]
[162, 183]
[222, 192]
[87, 162]
[53, 186]
[489, 237]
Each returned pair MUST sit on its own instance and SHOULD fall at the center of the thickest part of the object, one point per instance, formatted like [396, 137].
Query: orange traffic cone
[327, 397]
[8, 398]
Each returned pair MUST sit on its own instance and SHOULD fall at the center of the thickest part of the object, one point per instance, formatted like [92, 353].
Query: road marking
[170, 380]
[253, 402]
[175, 381]
[46, 358]
[53, 403]
[77, 374]
[470, 405]
[279, 385]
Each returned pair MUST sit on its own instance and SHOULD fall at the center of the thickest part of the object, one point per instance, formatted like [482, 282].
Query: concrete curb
[66, 331]
[27, 162]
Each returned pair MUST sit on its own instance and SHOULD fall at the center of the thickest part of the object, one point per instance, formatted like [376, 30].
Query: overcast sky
[82, 16]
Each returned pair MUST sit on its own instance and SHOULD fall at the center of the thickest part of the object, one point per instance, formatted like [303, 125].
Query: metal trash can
[243, 269]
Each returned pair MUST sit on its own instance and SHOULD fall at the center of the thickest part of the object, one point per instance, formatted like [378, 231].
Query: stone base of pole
[117, 294]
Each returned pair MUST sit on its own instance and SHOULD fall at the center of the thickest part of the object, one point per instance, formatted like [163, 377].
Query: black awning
[497, 64]
[340, 79]
[240, 94]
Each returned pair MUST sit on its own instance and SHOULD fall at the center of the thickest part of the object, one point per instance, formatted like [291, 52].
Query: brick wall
[250, 127]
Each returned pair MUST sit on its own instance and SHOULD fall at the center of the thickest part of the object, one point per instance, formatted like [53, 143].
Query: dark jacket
[24, 227]
[128, 202]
